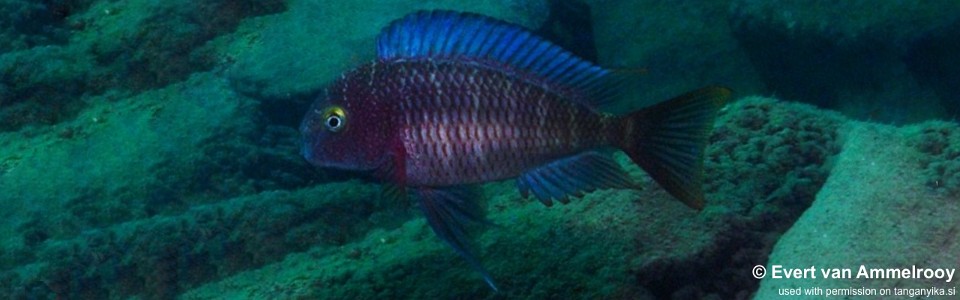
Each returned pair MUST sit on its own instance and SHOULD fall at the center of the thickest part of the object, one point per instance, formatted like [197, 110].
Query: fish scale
[439, 99]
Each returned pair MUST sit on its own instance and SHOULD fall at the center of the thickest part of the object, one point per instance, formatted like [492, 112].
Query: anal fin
[573, 176]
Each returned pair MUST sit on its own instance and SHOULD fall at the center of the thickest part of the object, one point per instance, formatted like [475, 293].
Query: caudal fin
[668, 140]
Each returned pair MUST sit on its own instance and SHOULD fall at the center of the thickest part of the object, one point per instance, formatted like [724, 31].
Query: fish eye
[334, 118]
[333, 122]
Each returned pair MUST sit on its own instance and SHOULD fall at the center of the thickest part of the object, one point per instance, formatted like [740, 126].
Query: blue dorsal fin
[441, 34]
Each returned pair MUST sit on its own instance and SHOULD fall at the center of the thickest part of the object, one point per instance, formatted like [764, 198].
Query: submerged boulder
[286, 59]
[876, 211]
[156, 153]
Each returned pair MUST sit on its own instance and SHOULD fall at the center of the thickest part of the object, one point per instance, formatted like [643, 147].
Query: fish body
[456, 99]
[463, 122]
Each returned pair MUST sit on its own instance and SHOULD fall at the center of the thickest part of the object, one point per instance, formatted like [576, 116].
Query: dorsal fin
[442, 34]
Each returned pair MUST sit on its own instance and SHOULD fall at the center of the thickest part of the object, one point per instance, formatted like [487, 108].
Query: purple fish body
[461, 122]
[457, 99]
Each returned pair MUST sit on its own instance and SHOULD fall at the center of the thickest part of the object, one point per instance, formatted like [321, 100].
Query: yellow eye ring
[334, 118]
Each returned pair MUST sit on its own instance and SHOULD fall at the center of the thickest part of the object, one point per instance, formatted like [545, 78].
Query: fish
[456, 99]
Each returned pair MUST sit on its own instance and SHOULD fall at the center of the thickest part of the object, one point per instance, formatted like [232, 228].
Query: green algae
[299, 52]
[164, 255]
[937, 142]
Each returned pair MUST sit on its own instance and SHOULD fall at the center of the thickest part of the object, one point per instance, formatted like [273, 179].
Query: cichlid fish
[457, 99]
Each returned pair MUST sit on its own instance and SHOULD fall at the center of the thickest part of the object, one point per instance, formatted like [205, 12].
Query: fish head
[346, 129]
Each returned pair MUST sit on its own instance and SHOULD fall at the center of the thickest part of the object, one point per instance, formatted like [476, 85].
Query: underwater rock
[166, 43]
[939, 144]
[157, 153]
[26, 24]
[888, 61]
[41, 85]
[63, 53]
[875, 210]
[765, 162]
[535, 252]
[286, 59]
[161, 256]
[899, 22]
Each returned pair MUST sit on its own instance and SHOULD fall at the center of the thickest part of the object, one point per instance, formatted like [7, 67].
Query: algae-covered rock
[287, 59]
[64, 53]
[149, 44]
[304, 49]
[157, 153]
[159, 257]
[26, 24]
[875, 211]
[765, 162]
[41, 85]
[577, 250]
[939, 146]
[848, 21]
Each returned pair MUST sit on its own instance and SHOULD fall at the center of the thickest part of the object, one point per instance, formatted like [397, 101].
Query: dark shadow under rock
[890, 62]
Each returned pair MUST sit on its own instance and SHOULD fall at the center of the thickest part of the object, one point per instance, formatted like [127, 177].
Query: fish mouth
[310, 156]
[324, 164]
[305, 152]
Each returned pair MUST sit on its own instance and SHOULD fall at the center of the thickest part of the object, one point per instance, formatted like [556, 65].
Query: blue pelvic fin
[573, 176]
[443, 34]
[449, 211]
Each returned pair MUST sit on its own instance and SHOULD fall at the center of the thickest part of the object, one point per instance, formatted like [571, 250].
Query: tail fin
[668, 139]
